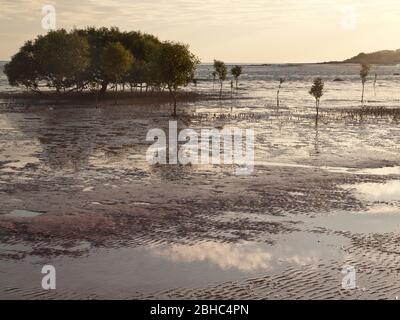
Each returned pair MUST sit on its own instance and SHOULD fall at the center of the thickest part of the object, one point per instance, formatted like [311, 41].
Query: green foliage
[317, 89]
[175, 66]
[62, 58]
[116, 61]
[92, 58]
[57, 60]
[139, 73]
[236, 72]
[141, 46]
[364, 72]
[221, 71]
[23, 68]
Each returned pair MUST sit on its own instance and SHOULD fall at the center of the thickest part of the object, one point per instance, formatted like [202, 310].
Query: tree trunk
[173, 95]
[174, 106]
[220, 91]
[97, 98]
[104, 86]
[362, 95]
[57, 95]
[277, 99]
[317, 108]
[116, 92]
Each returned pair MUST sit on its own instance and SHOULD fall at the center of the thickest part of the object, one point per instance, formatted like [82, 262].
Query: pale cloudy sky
[231, 30]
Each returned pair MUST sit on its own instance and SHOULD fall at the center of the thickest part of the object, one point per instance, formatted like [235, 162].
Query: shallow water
[150, 269]
[261, 82]
[379, 219]
[383, 192]
[23, 214]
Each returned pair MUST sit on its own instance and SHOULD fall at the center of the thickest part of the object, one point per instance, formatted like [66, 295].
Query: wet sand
[77, 193]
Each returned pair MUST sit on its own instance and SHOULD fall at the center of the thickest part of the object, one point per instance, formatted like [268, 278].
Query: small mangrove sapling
[317, 91]
[365, 68]
[281, 81]
[236, 72]
[222, 71]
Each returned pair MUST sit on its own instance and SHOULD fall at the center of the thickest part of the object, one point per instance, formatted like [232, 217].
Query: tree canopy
[116, 61]
[364, 72]
[61, 58]
[175, 66]
[221, 71]
[317, 89]
[83, 59]
[236, 72]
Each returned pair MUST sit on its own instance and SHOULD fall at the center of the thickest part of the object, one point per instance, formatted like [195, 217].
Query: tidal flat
[77, 192]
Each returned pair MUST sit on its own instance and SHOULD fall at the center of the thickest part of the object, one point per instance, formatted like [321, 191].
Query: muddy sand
[76, 192]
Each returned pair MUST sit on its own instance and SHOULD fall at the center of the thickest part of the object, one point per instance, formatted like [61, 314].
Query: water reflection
[79, 139]
[388, 191]
[296, 249]
[244, 257]
[378, 219]
[316, 140]
[23, 214]
[114, 138]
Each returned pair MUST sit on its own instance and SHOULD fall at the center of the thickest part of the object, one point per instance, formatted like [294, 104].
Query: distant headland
[378, 57]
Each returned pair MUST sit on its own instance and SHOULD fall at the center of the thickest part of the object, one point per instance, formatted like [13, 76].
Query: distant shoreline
[288, 64]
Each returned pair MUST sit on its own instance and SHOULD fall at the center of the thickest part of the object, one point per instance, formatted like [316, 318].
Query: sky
[242, 31]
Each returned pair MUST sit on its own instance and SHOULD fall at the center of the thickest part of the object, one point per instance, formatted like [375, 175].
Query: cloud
[162, 11]
[189, 12]
[273, 28]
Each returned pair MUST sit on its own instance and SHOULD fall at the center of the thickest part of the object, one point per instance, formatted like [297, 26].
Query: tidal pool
[23, 214]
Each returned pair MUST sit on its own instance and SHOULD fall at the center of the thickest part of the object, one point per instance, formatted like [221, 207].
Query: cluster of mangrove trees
[100, 58]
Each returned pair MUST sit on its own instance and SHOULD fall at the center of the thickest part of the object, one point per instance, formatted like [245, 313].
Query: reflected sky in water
[157, 267]
[387, 191]
[248, 257]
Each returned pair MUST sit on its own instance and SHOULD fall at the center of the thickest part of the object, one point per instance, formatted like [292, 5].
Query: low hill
[378, 57]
